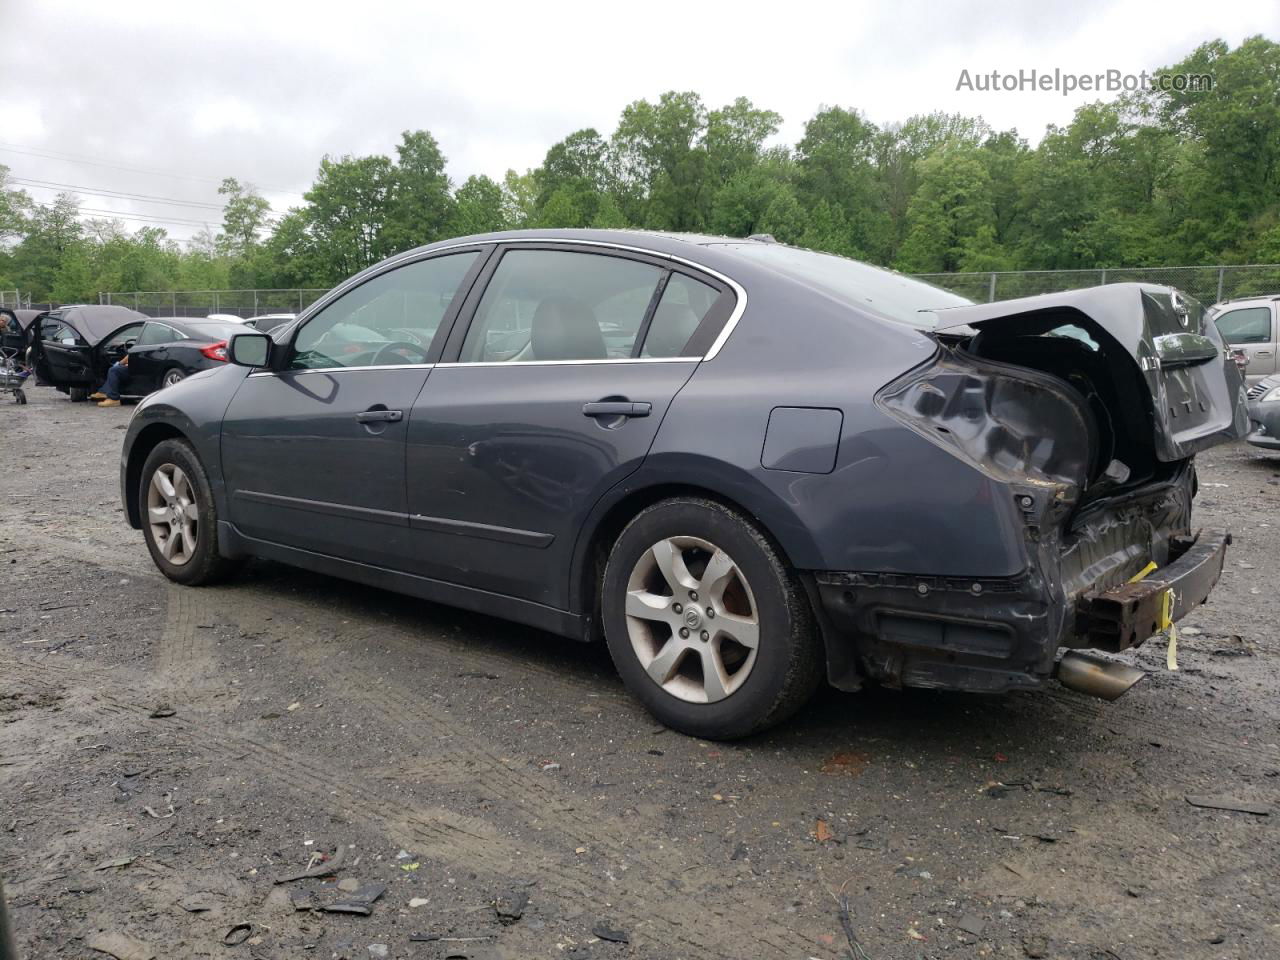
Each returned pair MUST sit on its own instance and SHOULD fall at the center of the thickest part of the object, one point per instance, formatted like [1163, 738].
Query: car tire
[710, 681]
[171, 377]
[183, 543]
[78, 394]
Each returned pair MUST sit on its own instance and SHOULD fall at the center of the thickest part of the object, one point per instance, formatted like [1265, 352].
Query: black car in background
[14, 327]
[73, 347]
[170, 349]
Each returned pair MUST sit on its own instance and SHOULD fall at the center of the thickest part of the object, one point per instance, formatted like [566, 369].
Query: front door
[556, 394]
[67, 356]
[314, 449]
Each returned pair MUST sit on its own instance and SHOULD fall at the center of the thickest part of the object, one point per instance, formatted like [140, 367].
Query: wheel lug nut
[711, 613]
[705, 636]
[693, 595]
[684, 633]
[677, 608]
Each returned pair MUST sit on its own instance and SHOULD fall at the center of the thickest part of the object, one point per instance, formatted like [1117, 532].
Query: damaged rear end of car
[1084, 411]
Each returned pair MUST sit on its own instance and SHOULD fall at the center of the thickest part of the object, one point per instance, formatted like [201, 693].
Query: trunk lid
[1196, 390]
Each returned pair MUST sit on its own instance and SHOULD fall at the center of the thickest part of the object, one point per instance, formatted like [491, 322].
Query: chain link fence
[201, 303]
[1207, 284]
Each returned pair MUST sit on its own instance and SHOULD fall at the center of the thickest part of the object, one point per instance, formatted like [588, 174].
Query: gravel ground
[167, 753]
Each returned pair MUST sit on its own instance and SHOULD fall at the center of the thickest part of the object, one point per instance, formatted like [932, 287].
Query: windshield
[893, 296]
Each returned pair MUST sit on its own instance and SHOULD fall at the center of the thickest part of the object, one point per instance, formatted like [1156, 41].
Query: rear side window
[390, 319]
[1247, 325]
[155, 333]
[561, 305]
[684, 304]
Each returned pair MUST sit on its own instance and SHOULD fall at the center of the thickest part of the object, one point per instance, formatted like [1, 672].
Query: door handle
[380, 416]
[616, 408]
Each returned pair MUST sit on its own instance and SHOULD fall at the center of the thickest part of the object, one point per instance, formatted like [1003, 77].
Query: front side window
[560, 305]
[391, 319]
[156, 333]
[1248, 325]
[55, 330]
[684, 303]
[125, 337]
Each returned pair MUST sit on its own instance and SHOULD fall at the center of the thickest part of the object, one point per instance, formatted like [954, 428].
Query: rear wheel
[78, 394]
[171, 377]
[705, 623]
[179, 519]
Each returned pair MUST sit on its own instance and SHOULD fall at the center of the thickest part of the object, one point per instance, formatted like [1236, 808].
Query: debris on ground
[612, 934]
[822, 832]
[846, 924]
[1035, 947]
[971, 924]
[151, 812]
[320, 866]
[358, 901]
[510, 906]
[121, 947]
[237, 934]
[1232, 804]
[161, 711]
[117, 862]
[198, 903]
[378, 950]
[850, 763]
[416, 902]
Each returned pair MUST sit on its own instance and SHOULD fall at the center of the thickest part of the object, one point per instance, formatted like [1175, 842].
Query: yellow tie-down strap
[1166, 618]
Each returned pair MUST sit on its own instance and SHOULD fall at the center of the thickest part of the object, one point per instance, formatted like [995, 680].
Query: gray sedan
[1264, 413]
[747, 468]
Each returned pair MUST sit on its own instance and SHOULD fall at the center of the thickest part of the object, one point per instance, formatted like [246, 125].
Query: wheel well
[146, 441]
[606, 532]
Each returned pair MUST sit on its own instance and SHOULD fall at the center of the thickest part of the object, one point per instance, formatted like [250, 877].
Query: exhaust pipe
[1096, 676]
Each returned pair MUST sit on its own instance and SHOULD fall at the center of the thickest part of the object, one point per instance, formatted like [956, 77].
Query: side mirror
[249, 350]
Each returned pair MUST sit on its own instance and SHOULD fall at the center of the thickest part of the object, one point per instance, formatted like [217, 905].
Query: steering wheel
[395, 346]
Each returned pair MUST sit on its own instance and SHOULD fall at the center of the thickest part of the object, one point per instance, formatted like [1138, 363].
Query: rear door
[150, 355]
[314, 451]
[1253, 330]
[553, 394]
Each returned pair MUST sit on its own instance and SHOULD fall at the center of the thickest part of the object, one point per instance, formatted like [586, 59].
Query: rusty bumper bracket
[1127, 615]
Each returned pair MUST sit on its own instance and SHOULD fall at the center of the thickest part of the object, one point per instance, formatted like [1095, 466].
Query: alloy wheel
[172, 513]
[692, 619]
[172, 377]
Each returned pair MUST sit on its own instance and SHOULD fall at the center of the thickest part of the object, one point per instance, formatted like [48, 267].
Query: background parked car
[1249, 325]
[170, 349]
[73, 347]
[15, 326]
[1264, 413]
[270, 322]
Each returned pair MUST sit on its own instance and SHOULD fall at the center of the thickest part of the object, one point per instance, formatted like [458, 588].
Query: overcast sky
[191, 92]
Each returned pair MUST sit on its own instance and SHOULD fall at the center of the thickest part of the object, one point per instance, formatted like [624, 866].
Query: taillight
[216, 351]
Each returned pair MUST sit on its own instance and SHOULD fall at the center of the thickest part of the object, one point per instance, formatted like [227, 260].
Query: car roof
[95, 322]
[200, 326]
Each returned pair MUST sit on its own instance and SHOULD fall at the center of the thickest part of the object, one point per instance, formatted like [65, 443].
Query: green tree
[477, 208]
[244, 217]
[418, 201]
[951, 217]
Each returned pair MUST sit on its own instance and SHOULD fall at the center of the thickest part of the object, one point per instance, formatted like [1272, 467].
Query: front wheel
[705, 623]
[179, 518]
[78, 394]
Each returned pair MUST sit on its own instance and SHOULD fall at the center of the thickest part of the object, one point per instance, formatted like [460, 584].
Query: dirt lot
[460, 760]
